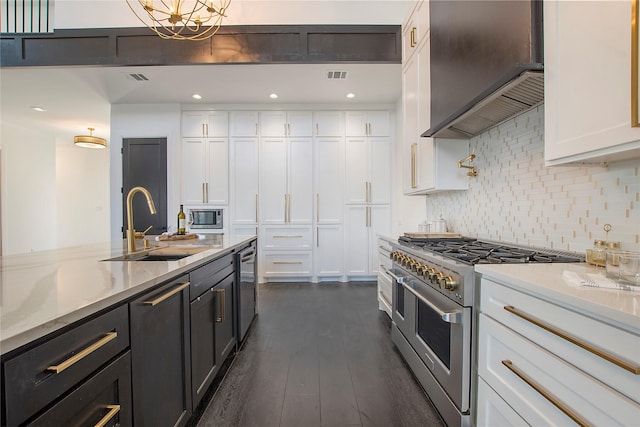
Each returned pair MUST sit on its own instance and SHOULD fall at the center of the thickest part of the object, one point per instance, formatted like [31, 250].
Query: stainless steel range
[432, 299]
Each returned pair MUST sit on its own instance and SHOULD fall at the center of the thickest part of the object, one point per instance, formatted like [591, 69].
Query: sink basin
[168, 253]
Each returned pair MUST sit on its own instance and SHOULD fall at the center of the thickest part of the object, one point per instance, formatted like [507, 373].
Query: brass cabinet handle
[317, 129]
[546, 394]
[289, 129]
[206, 192]
[287, 262]
[285, 128]
[203, 193]
[604, 354]
[221, 306]
[287, 236]
[206, 127]
[414, 148]
[256, 129]
[84, 353]
[412, 38]
[167, 295]
[113, 410]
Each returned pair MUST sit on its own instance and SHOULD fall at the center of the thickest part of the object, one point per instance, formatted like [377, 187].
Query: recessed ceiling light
[351, 95]
[273, 96]
[196, 96]
[39, 109]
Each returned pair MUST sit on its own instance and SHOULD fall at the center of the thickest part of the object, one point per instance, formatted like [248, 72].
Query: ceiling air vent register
[337, 75]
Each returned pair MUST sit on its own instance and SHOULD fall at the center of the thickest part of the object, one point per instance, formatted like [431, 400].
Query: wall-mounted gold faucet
[131, 232]
[472, 172]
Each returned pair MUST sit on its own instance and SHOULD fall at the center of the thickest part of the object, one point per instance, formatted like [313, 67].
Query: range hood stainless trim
[520, 94]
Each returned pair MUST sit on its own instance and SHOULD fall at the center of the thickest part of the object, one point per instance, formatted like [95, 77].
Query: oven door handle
[398, 279]
[454, 316]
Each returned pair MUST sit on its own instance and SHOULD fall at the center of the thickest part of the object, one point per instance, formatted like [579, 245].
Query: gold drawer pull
[84, 353]
[167, 295]
[288, 262]
[113, 410]
[624, 364]
[546, 394]
[221, 306]
[288, 236]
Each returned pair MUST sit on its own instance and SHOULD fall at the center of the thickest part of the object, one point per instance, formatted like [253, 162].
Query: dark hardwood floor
[319, 355]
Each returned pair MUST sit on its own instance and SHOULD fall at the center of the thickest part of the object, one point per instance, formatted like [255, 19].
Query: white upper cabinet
[367, 123]
[205, 171]
[415, 28]
[328, 123]
[205, 123]
[367, 170]
[587, 63]
[281, 123]
[328, 167]
[243, 123]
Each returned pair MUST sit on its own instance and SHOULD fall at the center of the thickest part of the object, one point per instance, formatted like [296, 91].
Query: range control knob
[448, 283]
[437, 278]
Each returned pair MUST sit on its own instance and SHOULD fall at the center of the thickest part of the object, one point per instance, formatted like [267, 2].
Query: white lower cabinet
[286, 252]
[286, 264]
[363, 224]
[545, 377]
[493, 410]
[328, 250]
[384, 280]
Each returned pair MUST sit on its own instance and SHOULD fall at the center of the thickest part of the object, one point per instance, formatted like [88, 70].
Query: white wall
[144, 121]
[516, 199]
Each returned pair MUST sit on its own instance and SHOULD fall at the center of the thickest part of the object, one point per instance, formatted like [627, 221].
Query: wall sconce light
[90, 141]
[472, 169]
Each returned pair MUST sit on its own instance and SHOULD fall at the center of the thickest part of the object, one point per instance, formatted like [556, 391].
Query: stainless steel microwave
[203, 219]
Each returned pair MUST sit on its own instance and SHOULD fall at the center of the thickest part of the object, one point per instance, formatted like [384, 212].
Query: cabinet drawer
[593, 333]
[104, 398]
[288, 238]
[37, 377]
[384, 287]
[209, 274]
[505, 357]
[283, 264]
[493, 410]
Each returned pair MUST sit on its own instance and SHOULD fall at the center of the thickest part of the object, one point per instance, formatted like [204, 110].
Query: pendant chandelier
[90, 141]
[181, 19]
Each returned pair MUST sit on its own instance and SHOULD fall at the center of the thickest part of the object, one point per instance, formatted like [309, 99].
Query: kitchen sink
[169, 253]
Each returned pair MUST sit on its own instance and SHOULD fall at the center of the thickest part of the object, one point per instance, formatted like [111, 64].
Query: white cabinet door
[329, 254]
[217, 124]
[357, 240]
[273, 123]
[379, 170]
[300, 181]
[328, 123]
[329, 180]
[367, 123]
[299, 123]
[493, 410]
[273, 180]
[243, 123]
[205, 123]
[244, 169]
[193, 124]
[217, 183]
[356, 170]
[587, 85]
[194, 169]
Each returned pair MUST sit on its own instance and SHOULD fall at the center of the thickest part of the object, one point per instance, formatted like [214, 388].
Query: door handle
[82, 354]
[167, 295]
[454, 316]
[221, 305]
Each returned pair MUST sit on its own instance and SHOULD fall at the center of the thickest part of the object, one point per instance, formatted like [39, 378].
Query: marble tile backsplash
[516, 199]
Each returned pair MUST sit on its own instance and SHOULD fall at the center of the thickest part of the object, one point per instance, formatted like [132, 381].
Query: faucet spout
[131, 232]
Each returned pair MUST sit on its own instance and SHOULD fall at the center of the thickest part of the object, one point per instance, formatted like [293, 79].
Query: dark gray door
[144, 163]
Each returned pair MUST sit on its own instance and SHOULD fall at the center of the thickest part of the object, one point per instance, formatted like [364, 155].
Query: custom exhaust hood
[486, 63]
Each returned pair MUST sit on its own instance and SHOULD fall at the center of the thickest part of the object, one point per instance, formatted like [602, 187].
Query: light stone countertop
[41, 292]
[620, 308]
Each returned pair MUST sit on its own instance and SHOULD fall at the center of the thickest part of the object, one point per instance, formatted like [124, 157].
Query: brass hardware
[284, 236]
[141, 234]
[624, 364]
[635, 35]
[414, 148]
[131, 232]
[82, 354]
[289, 129]
[412, 38]
[370, 200]
[206, 192]
[472, 169]
[546, 394]
[90, 141]
[221, 307]
[256, 129]
[317, 130]
[166, 295]
[287, 262]
[113, 410]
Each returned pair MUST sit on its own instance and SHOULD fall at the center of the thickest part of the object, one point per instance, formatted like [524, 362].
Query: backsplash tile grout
[517, 199]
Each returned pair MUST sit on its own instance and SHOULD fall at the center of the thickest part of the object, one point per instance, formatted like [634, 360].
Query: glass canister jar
[598, 254]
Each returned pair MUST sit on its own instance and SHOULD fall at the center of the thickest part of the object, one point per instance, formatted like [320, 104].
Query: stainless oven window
[435, 332]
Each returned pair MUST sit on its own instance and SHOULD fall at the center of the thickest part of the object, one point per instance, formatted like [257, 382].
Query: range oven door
[402, 312]
[439, 330]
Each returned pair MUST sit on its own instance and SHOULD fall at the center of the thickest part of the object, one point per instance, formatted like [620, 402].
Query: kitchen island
[82, 329]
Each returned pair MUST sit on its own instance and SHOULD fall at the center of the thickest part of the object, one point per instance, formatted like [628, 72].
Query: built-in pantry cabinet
[429, 164]
[588, 86]
[291, 178]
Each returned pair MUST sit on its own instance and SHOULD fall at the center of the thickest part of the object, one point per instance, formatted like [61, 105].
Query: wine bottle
[182, 221]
